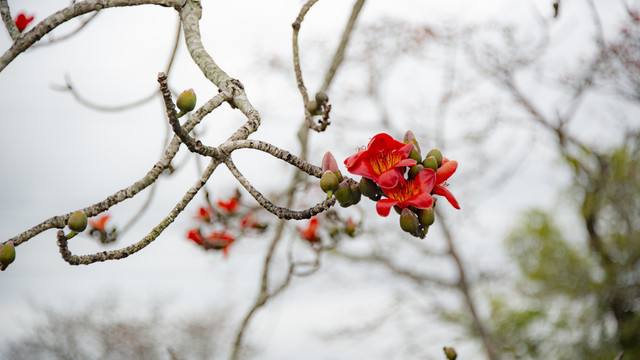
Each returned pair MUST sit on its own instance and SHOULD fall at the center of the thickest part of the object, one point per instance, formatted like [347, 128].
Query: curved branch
[153, 235]
[284, 155]
[296, 59]
[60, 221]
[69, 87]
[45, 26]
[281, 212]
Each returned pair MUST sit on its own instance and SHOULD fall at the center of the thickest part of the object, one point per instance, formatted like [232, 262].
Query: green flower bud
[414, 170]
[343, 194]
[356, 195]
[328, 182]
[370, 189]
[314, 108]
[186, 102]
[321, 97]
[437, 154]
[415, 154]
[409, 221]
[408, 136]
[450, 353]
[430, 162]
[78, 221]
[7, 254]
[426, 216]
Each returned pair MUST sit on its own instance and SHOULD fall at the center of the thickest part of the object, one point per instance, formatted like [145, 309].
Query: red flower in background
[220, 240]
[204, 214]
[444, 172]
[230, 205]
[22, 21]
[309, 233]
[382, 161]
[100, 222]
[416, 192]
[196, 236]
[248, 222]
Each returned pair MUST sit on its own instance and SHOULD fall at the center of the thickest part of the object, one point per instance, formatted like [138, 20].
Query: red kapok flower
[309, 233]
[444, 172]
[220, 240]
[248, 222]
[230, 205]
[382, 161]
[196, 236]
[100, 222]
[416, 192]
[204, 214]
[22, 21]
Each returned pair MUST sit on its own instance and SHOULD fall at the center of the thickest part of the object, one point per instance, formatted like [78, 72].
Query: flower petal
[445, 171]
[441, 190]
[422, 200]
[383, 206]
[427, 179]
[389, 178]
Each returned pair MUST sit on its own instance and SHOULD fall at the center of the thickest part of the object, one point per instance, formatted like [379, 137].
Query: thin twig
[338, 56]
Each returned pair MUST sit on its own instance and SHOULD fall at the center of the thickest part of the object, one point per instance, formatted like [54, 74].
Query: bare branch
[153, 235]
[5, 12]
[80, 8]
[281, 212]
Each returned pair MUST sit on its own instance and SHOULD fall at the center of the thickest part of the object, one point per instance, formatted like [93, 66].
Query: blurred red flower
[100, 222]
[22, 21]
[309, 233]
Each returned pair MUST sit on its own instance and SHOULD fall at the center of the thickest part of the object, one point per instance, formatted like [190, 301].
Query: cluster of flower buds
[229, 220]
[346, 191]
[395, 175]
[316, 106]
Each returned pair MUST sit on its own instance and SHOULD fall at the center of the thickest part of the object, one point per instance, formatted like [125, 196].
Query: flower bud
[314, 108]
[436, 154]
[415, 154]
[7, 254]
[343, 194]
[409, 221]
[356, 195]
[186, 102]
[321, 97]
[408, 136]
[329, 163]
[350, 227]
[329, 182]
[370, 189]
[426, 216]
[450, 353]
[430, 162]
[414, 170]
[78, 221]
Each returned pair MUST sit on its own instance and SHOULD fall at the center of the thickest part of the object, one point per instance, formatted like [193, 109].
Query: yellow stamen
[384, 161]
